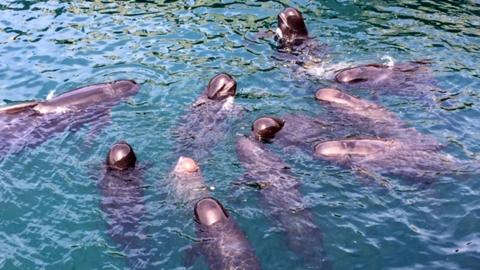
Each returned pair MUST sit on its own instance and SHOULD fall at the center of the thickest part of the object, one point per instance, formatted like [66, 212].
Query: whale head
[208, 211]
[291, 27]
[351, 147]
[102, 94]
[124, 87]
[332, 149]
[265, 128]
[186, 165]
[121, 156]
[371, 72]
[221, 87]
[337, 97]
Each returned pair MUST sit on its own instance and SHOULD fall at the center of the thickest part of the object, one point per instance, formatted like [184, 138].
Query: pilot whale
[221, 241]
[207, 120]
[283, 203]
[186, 183]
[374, 158]
[123, 204]
[372, 119]
[28, 124]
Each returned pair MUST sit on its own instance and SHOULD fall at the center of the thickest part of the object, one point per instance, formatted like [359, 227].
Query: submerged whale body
[283, 202]
[222, 243]
[186, 183]
[300, 132]
[347, 116]
[123, 204]
[29, 124]
[389, 157]
[372, 119]
[206, 122]
[399, 78]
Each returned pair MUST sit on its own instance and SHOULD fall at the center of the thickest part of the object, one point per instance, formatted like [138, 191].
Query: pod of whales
[385, 145]
[353, 133]
[410, 78]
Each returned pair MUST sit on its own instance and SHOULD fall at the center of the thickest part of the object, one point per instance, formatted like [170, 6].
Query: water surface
[50, 202]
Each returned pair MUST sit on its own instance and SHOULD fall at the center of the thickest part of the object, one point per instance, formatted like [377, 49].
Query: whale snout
[265, 128]
[291, 26]
[335, 96]
[209, 211]
[125, 87]
[121, 156]
[186, 165]
[352, 75]
[221, 87]
[354, 147]
[330, 149]
[327, 94]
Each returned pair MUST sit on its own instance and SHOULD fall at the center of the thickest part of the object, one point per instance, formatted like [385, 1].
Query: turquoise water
[49, 200]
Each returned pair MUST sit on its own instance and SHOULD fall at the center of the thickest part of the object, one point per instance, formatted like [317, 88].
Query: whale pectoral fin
[251, 182]
[191, 255]
[368, 176]
[244, 184]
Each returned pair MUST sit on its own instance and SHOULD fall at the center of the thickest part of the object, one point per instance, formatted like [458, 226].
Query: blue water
[49, 200]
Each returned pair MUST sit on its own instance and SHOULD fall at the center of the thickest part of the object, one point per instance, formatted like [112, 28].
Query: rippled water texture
[50, 201]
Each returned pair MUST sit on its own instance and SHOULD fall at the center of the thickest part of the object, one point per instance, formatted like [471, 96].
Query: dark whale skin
[123, 205]
[283, 201]
[401, 78]
[376, 157]
[29, 124]
[207, 121]
[371, 120]
[106, 94]
[224, 246]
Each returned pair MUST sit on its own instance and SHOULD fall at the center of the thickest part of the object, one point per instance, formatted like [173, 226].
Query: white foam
[279, 33]
[388, 60]
[51, 94]
[228, 104]
[325, 70]
[48, 109]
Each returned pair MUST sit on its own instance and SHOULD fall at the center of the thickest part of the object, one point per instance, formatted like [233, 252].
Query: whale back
[96, 94]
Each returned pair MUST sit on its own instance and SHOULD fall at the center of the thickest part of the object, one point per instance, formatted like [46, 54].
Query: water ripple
[50, 206]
